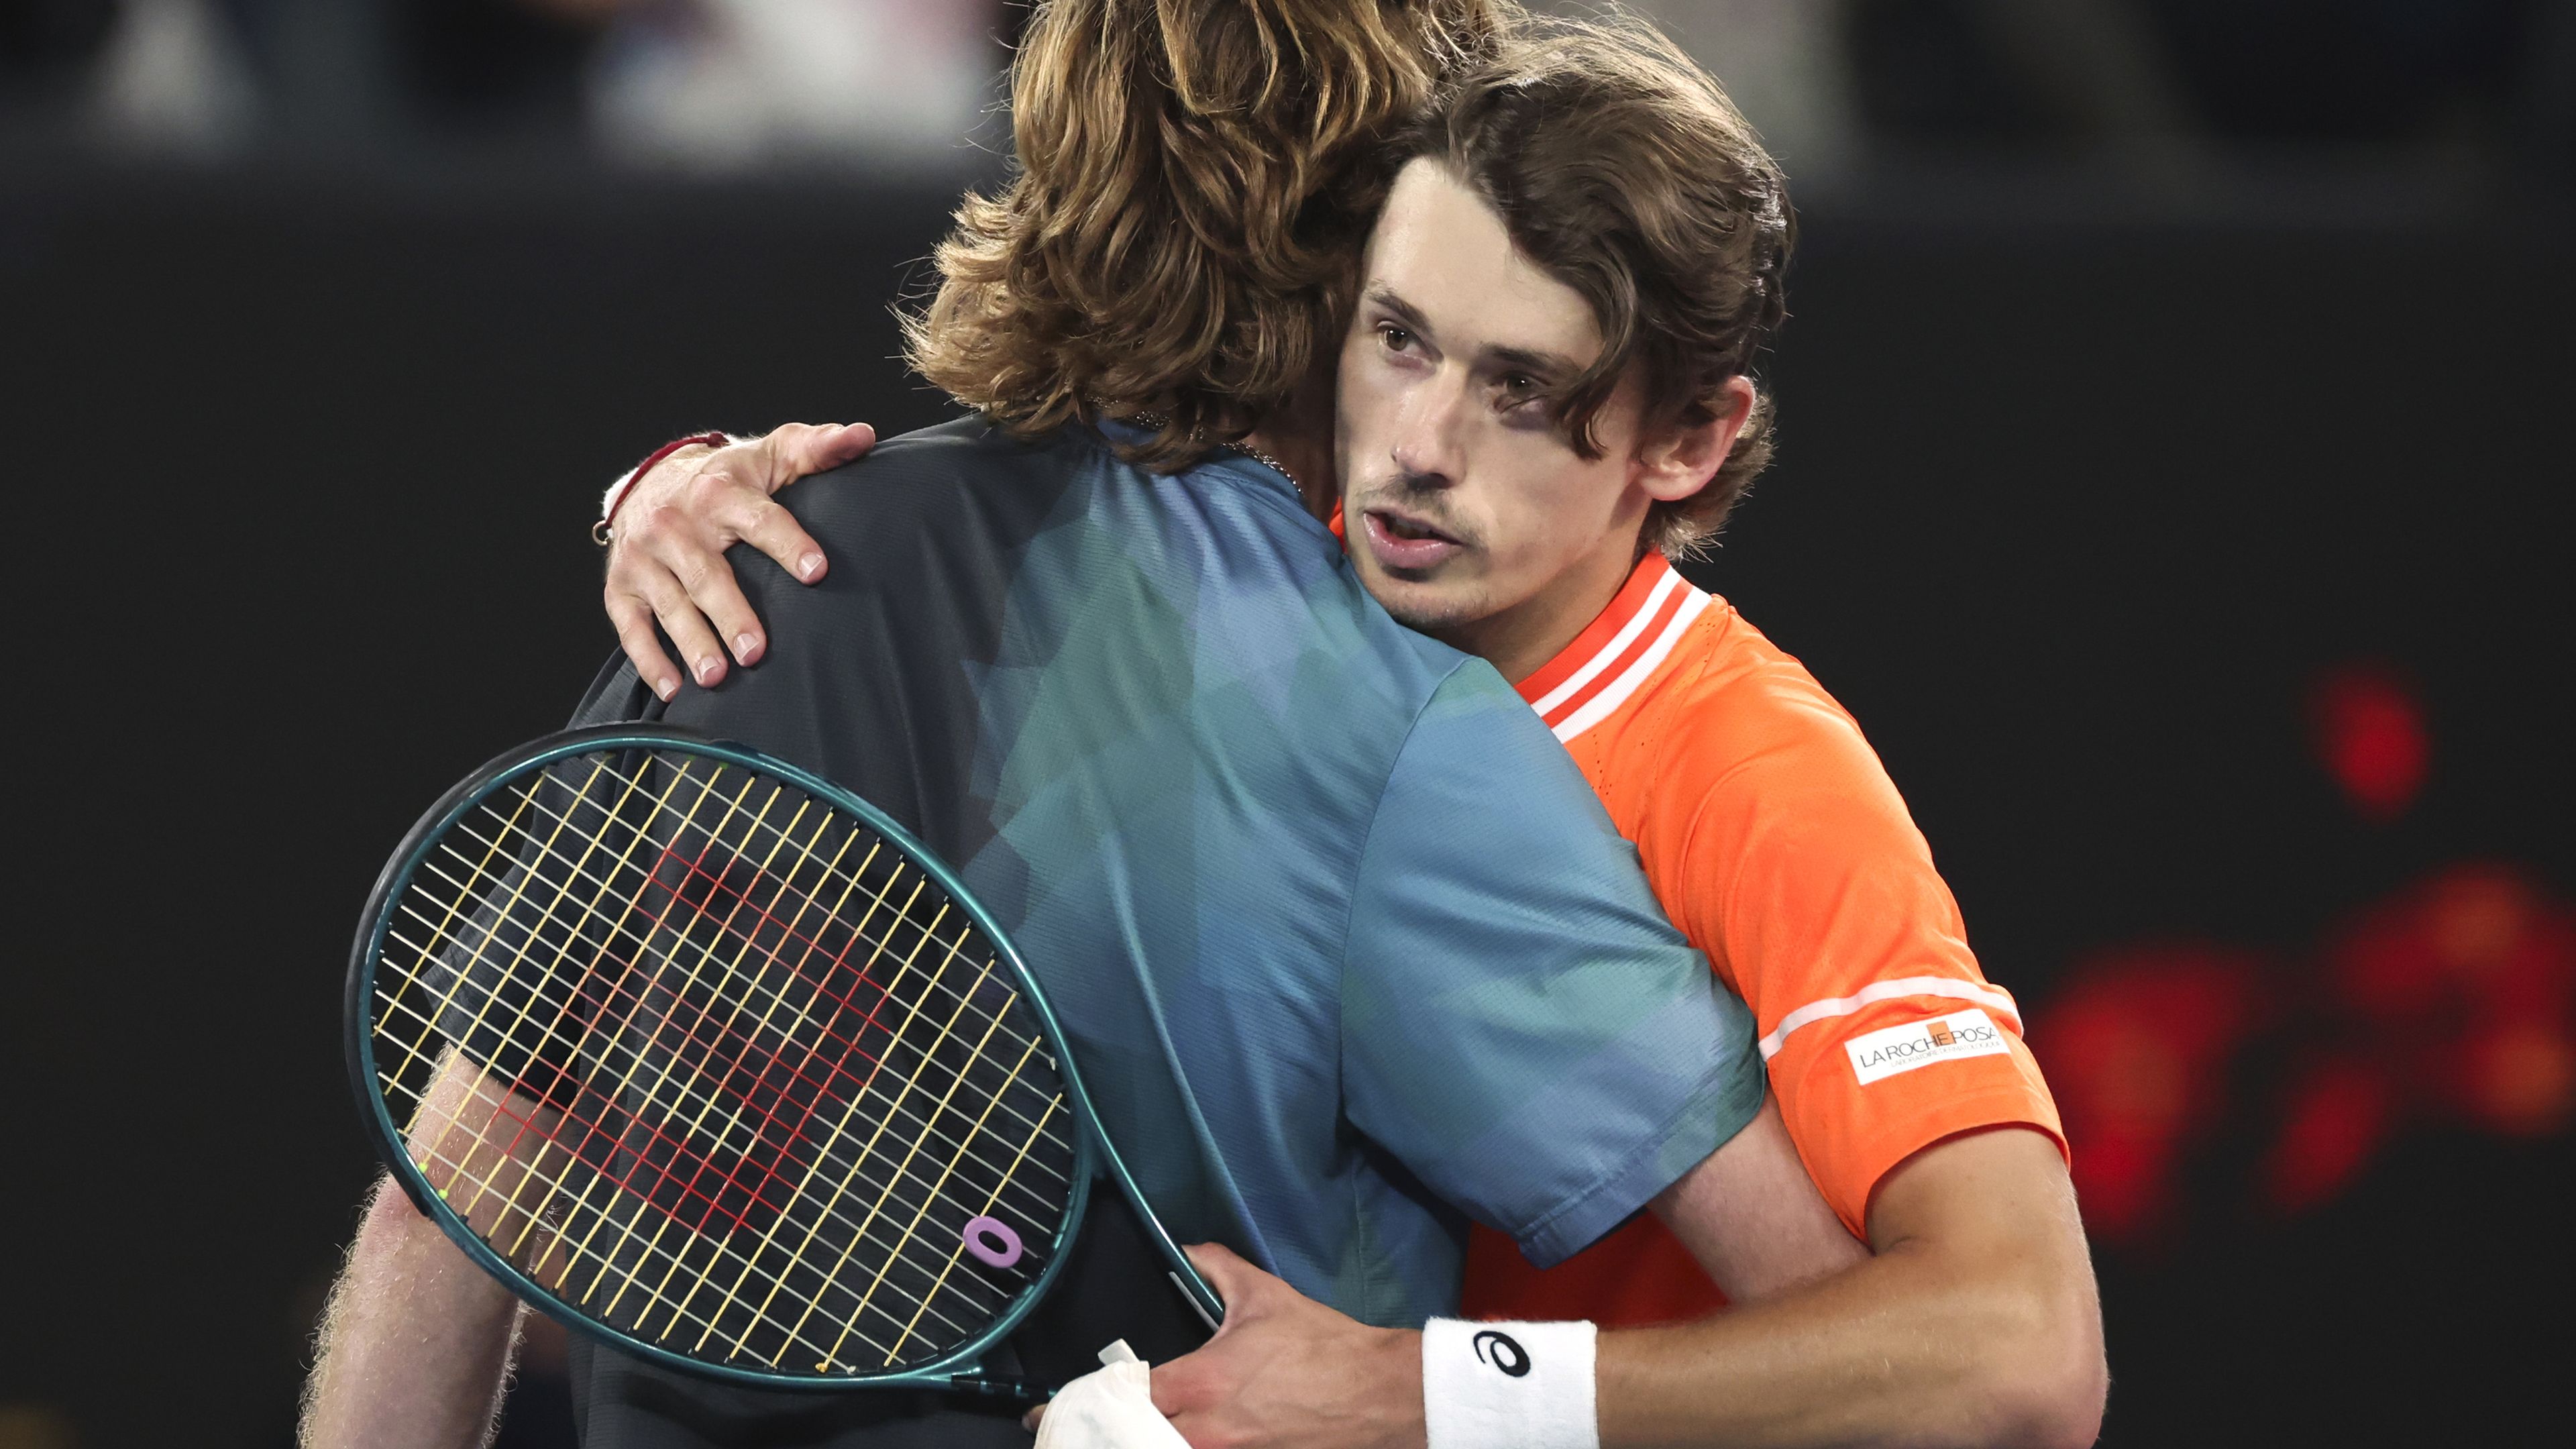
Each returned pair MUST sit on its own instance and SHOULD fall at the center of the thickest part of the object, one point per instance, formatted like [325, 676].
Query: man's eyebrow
[1379, 294]
[1547, 366]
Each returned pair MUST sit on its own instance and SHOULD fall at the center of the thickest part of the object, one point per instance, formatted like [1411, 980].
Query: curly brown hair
[1193, 181]
[1619, 166]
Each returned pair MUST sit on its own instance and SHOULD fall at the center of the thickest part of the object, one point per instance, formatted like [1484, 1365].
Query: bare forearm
[1885, 1354]
[1976, 1324]
[416, 1345]
[1754, 1220]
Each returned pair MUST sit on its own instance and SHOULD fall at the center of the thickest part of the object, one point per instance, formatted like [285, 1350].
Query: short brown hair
[1618, 166]
[1193, 182]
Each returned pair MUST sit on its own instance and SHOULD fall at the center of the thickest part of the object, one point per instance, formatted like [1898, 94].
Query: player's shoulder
[957, 457]
[1728, 694]
[1736, 721]
[951, 504]
[1735, 682]
[973, 441]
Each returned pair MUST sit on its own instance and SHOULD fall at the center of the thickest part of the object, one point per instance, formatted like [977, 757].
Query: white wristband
[1509, 1385]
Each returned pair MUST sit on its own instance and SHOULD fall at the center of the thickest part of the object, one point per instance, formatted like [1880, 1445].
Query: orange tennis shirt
[1780, 847]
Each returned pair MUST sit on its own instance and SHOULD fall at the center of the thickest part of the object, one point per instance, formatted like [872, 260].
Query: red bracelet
[608, 506]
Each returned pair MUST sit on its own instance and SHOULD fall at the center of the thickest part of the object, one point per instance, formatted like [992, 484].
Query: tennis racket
[705, 1056]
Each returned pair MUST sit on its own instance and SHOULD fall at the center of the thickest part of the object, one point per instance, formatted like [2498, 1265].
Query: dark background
[2085, 487]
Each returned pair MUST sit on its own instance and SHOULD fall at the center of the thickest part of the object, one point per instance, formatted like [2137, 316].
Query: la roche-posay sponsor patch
[1899, 1049]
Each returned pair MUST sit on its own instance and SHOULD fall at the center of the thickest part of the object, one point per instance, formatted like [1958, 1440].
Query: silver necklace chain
[1155, 422]
[1257, 454]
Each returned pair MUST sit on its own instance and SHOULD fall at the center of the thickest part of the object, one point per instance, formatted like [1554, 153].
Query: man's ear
[1680, 461]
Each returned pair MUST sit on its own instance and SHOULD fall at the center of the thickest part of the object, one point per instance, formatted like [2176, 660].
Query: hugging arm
[667, 542]
[416, 1344]
[1975, 1324]
[1289, 1373]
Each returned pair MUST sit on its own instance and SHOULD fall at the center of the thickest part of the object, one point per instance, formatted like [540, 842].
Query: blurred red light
[2455, 1000]
[2136, 1046]
[2370, 734]
[2336, 1117]
[2521, 1079]
[2451, 1003]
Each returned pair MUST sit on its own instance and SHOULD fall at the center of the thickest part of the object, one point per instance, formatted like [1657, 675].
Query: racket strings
[773, 1102]
[459, 1169]
[797, 937]
[629, 1226]
[934, 1185]
[620, 928]
[616, 1043]
[492, 850]
[1032, 1217]
[795, 894]
[877, 898]
[884, 1195]
[518, 886]
[516, 1250]
[640, 939]
[634, 786]
[892, 1104]
[538, 996]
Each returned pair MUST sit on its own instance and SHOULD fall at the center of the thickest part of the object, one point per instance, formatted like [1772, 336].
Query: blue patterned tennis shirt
[1346, 949]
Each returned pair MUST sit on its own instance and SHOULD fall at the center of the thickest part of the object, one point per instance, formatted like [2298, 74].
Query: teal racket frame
[958, 1370]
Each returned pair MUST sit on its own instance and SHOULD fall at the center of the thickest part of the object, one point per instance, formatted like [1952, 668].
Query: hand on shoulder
[668, 535]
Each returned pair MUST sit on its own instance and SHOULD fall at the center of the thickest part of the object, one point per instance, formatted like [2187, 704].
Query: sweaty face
[1471, 517]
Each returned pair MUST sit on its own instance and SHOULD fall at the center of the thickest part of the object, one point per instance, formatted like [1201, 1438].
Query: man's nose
[1427, 443]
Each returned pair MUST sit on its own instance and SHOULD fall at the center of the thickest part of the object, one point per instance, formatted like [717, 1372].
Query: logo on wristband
[1508, 1355]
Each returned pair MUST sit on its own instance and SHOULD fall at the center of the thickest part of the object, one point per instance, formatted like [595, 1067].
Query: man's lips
[1403, 542]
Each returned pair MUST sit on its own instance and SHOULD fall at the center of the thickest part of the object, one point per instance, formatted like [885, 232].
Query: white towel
[1112, 1408]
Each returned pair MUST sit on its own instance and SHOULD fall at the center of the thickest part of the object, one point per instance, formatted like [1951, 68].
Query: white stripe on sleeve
[1949, 988]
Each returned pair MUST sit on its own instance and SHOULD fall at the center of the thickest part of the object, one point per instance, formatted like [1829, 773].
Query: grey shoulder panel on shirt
[1523, 1027]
